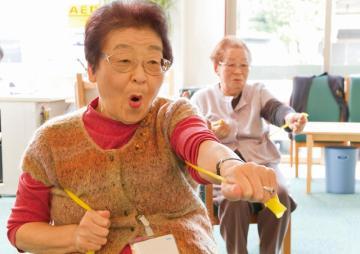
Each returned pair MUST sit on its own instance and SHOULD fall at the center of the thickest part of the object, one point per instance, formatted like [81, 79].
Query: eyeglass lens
[126, 61]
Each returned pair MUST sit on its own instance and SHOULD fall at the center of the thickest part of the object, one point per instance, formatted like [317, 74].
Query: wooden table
[327, 131]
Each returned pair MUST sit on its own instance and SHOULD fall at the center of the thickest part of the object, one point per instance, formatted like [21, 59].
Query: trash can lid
[340, 147]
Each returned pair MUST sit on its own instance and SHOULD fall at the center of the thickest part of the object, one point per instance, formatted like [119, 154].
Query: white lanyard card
[159, 245]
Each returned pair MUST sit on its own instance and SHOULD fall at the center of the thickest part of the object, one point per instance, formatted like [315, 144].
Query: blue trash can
[340, 163]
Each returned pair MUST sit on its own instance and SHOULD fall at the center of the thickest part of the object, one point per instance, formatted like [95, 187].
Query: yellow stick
[206, 172]
[286, 125]
[77, 200]
[273, 204]
[82, 204]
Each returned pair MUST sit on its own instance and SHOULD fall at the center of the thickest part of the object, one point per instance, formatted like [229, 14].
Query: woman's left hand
[296, 121]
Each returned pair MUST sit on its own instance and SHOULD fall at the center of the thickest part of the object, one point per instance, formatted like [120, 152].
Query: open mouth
[135, 101]
[135, 98]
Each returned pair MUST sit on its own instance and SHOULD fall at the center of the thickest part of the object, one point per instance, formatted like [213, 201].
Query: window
[345, 39]
[287, 37]
[284, 36]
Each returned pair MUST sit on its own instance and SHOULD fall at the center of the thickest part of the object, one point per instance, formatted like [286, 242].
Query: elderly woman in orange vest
[124, 154]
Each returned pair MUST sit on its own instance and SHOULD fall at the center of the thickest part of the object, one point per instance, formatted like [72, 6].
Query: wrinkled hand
[220, 128]
[91, 233]
[246, 182]
[296, 121]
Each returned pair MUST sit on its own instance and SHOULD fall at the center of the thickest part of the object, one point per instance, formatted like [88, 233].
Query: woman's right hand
[92, 232]
[220, 128]
[246, 181]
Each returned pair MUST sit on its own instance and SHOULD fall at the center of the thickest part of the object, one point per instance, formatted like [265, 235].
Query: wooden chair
[85, 91]
[208, 189]
[321, 107]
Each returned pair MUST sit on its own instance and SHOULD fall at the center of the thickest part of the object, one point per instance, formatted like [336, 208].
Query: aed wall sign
[78, 14]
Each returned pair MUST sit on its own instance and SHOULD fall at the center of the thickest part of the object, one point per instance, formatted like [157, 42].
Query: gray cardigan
[248, 120]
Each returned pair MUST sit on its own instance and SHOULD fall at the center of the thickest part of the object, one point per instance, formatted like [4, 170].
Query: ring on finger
[271, 190]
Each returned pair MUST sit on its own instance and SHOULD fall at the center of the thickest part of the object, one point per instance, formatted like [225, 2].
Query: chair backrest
[85, 91]
[188, 92]
[354, 102]
[206, 194]
[321, 105]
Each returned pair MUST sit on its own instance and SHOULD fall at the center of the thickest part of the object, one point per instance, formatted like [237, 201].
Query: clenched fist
[220, 128]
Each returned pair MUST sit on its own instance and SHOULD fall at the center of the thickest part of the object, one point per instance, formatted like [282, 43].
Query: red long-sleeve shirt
[33, 197]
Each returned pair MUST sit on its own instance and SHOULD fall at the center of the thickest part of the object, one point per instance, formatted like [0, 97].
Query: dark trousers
[235, 220]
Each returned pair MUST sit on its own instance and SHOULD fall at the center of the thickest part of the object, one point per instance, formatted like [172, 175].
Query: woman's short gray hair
[227, 42]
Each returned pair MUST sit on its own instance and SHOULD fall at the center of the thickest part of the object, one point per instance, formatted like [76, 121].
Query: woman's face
[126, 94]
[233, 71]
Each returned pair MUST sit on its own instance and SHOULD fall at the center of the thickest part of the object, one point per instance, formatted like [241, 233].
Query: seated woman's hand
[296, 121]
[247, 181]
[220, 128]
[92, 231]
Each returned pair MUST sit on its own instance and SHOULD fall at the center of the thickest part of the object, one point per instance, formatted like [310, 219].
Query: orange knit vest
[144, 177]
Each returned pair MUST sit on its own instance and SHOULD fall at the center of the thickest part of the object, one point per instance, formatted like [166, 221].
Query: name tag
[160, 245]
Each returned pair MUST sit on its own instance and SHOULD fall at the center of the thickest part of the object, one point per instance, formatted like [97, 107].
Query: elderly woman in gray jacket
[237, 112]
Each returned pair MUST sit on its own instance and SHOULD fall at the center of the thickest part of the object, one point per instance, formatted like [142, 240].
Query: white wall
[202, 27]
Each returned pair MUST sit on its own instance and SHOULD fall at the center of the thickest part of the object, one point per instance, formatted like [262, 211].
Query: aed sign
[82, 10]
[78, 14]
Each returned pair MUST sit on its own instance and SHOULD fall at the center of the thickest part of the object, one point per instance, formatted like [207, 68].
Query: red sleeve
[186, 139]
[32, 204]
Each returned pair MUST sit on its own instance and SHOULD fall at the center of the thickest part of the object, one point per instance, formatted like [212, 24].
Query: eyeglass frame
[164, 65]
[242, 66]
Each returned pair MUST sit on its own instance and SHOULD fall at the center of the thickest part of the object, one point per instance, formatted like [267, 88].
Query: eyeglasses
[233, 66]
[152, 66]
